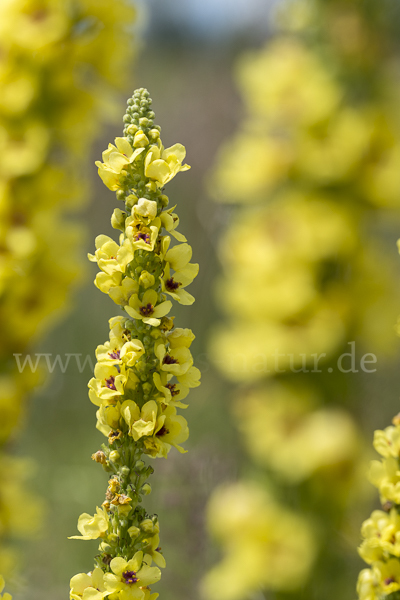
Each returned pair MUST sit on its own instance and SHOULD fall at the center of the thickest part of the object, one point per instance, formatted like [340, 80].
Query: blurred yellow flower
[265, 545]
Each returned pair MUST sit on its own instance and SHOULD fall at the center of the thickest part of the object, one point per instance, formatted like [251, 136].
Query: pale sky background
[209, 19]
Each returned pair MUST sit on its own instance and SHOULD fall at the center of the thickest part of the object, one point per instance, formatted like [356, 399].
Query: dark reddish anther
[39, 15]
[114, 355]
[172, 285]
[169, 360]
[147, 310]
[143, 236]
[130, 577]
[110, 383]
[171, 387]
[162, 431]
[389, 580]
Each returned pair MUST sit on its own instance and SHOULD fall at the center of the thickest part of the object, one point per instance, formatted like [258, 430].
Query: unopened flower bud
[154, 134]
[140, 140]
[146, 279]
[132, 129]
[104, 547]
[133, 531]
[146, 489]
[131, 200]
[118, 219]
[115, 456]
[113, 539]
[147, 525]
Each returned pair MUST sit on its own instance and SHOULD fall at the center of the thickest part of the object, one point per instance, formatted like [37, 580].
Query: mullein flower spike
[145, 369]
[380, 548]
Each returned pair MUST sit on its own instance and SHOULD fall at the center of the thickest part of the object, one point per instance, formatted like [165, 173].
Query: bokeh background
[187, 55]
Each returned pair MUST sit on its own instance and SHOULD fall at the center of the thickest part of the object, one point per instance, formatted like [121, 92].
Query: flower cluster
[381, 532]
[54, 58]
[303, 127]
[261, 538]
[311, 168]
[145, 370]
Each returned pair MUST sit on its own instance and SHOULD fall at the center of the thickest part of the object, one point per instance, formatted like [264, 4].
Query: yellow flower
[162, 165]
[147, 309]
[180, 338]
[387, 442]
[145, 210]
[131, 352]
[128, 577]
[385, 475]
[115, 160]
[284, 430]
[170, 222]
[368, 587]
[108, 418]
[4, 596]
[121, 292]
[111, 257]
[172, 393]
[88, 587]
[107, 385]
[171, 430]
[176, 361]
[142, 236]
[389, 573]
[381, 533]
[142, 421]
[265, 545]
[152, 548]
[90, 527]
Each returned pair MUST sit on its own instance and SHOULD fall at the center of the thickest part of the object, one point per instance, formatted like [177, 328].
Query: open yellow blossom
[88, 587]
[128, 577]
[141, 421]
[368, 587]
[90, 527]
[162, 165]
[263, 542]
[148, 309]
[115, 160]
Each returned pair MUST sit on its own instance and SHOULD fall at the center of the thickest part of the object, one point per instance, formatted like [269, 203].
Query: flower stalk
[145, 369]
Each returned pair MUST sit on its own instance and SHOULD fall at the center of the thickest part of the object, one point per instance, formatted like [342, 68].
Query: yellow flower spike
[48, 121]
[145, 368]
[380, 547]
[311, 166]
